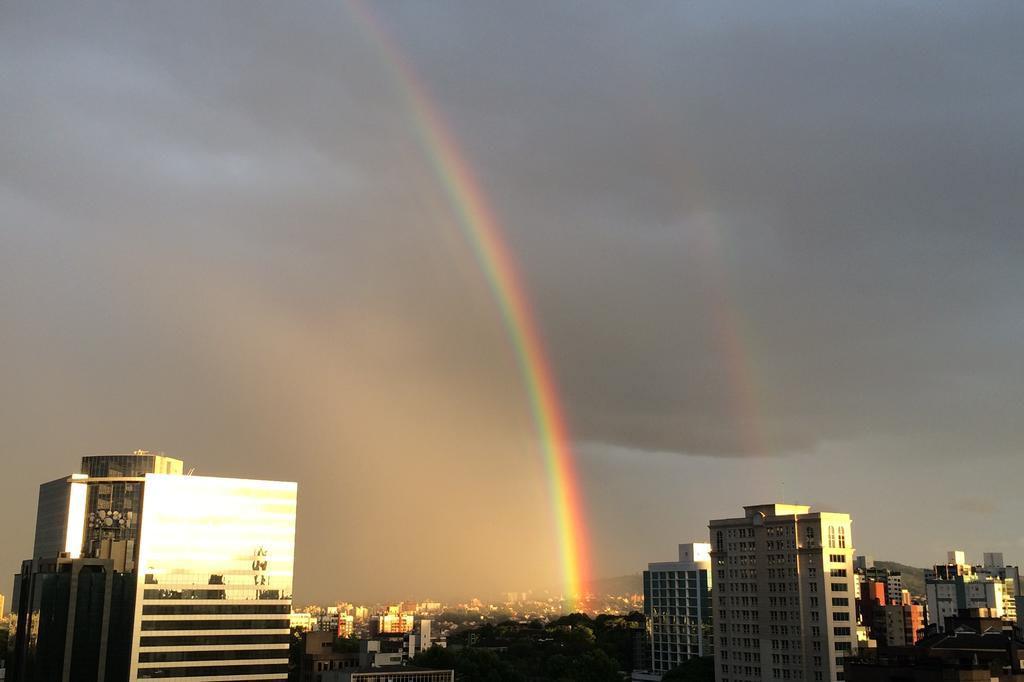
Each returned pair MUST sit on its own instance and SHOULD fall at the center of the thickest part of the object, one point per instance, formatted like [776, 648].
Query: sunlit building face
[215, 578]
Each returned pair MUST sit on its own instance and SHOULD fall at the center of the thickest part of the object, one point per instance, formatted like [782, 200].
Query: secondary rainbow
[481, 228]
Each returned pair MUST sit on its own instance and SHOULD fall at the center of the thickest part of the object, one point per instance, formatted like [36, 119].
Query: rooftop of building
[776, 509]
[692, 556]
[135, 464]
[965, 640]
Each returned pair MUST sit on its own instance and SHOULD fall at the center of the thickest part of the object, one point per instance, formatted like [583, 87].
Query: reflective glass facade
[215, 579]
[678, 604]
[129, 466]
[52, 518]
[114, 502]
[74, 621]
[196, 588]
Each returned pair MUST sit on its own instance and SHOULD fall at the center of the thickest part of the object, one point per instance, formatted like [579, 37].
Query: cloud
[976, 505]
[744, 232]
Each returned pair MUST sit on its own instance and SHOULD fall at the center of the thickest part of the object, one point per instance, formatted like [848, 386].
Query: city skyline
[762, 248]
[141, 570]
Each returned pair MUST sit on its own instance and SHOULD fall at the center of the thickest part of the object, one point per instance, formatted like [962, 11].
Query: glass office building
[141, 572]
[215, 592]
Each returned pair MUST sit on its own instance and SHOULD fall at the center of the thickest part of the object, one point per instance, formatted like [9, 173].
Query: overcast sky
[775, 251]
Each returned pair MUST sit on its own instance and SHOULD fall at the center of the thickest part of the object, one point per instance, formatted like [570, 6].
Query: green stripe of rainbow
[482, 230]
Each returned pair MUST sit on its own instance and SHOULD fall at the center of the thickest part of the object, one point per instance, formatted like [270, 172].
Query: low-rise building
[391, 624]
[973, 647]
[319, 656]
[301, 620]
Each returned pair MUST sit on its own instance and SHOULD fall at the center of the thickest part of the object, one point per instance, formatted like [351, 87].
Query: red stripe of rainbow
[482, 230]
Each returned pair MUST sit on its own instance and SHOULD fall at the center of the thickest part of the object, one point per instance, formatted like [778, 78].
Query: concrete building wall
[784, 594]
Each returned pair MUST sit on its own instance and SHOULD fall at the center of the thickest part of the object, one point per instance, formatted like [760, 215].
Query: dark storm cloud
[220, 233]
[859, 168]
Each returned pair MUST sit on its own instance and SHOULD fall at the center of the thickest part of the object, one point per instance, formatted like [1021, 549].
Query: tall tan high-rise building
[784, 594]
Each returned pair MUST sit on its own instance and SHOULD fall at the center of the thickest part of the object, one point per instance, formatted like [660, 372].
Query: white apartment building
[958, 585]
[677, 602]
[783, 604]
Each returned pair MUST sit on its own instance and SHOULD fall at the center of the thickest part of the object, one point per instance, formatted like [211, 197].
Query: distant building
[391, 624]
[898, 624]
[957, 585]
[139, 571]
[333, 620]
[419, 639]
[993, 566]
[784, 594]
[318, 657]
[888, 616]
[677, 603]
[892, 580]
[301, 620]
[974, 647]
[992, 559]
[400, 647]
[430, 606]
[346, 625]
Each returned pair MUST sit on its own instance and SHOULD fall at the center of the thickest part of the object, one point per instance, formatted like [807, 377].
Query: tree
[694, 670]
[470, 665]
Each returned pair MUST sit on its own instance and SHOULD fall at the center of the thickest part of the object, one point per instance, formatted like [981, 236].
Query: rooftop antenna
[190, 471]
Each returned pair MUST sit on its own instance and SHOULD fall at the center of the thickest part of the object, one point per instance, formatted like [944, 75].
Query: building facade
[784, 594]
[677, 603]
[957, 585]
[902, 624]
[141, 572]
[893, 580]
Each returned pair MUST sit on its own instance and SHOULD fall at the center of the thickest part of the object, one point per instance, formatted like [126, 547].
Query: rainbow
[481, 228]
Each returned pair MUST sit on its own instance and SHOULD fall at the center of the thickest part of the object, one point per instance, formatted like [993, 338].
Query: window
[840, 601]
[831, 537]
[840, 587]
[842, 537]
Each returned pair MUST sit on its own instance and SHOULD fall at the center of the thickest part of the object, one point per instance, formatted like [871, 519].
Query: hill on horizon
[913, 577]
[621, 584]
